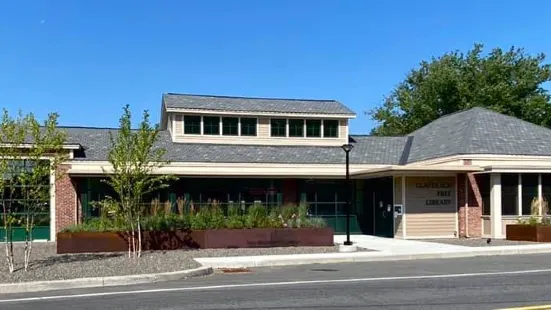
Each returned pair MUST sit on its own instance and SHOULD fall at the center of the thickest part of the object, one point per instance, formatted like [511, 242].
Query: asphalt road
[473, 283]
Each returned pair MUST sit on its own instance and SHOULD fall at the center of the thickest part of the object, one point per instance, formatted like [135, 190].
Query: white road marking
[270, 284]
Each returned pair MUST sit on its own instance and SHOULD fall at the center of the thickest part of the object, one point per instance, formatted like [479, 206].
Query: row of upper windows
[231, 126]
[311, 128]
[244, 126]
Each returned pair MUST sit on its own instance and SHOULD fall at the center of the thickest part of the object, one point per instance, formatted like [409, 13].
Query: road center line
[271, 284]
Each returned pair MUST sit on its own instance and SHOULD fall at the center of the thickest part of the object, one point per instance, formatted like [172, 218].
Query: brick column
[290, 191]
[65, 200]
[472, 223]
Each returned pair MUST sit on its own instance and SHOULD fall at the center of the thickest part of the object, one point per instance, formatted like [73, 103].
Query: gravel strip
[478, 242]
[46, 265]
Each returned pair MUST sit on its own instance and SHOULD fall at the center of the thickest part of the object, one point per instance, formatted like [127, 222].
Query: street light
[347, 148]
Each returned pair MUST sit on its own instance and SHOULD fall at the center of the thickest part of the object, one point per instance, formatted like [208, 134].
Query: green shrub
[256, 217]
[212, 217]
[235, 220]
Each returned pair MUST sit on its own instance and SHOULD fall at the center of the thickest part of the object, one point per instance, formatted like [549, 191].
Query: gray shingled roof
[244, 104]
[475, 131]
[479, 131]
[96, 144]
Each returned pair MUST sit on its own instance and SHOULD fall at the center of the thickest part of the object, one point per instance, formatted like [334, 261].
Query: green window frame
[296, 128]
[192, 124]
[211, 125]
[230, 126]
[248, 126]
[330, 128]
[313, 128]
[278, 127]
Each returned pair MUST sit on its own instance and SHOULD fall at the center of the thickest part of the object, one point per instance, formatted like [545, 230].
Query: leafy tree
[508, 82]
[28, 153]
[45, 156]
[134, 157]
[12, 139]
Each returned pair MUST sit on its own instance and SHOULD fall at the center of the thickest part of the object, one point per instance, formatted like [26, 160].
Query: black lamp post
[347, 148]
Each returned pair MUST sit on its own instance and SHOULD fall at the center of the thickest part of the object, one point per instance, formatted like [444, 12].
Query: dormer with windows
[260, 121]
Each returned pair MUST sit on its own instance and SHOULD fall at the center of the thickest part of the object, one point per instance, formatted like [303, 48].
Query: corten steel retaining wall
[88, 242]
[535, 233]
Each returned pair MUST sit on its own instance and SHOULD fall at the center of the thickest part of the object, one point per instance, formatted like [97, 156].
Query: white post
[495, 205]
[53, 227]
[519, 198]
[404, 234]
[540, 195]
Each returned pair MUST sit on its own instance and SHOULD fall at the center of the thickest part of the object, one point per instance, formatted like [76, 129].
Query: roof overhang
[333, 171]
[516, 169]
[31, 145]
[415, 170]
[259, 113]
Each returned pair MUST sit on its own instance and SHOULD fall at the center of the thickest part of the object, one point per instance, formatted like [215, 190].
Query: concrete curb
[24, 287]
[327, 258]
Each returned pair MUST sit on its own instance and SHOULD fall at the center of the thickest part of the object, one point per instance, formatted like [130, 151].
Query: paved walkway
[398, 246]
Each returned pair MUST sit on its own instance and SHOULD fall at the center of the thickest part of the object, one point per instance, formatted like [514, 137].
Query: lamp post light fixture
[347, 148]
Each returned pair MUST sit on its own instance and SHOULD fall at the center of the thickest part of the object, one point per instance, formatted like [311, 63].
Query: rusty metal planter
[86, 242]
[535, 233]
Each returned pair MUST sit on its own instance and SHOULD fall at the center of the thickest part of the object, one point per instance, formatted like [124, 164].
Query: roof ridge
[254, 98]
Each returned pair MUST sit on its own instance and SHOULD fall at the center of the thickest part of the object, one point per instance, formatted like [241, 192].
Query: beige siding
[431, 206]
[398, 225]
[169, 123]
[179, 126]
[343, 130]
[263, 128]
[486, 226]
[263, 136]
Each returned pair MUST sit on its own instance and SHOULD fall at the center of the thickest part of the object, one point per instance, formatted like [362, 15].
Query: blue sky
[86, 59]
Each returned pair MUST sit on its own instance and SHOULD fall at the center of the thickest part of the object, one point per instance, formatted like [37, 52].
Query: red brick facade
[290, 191]
[474, 208]
[65, 200]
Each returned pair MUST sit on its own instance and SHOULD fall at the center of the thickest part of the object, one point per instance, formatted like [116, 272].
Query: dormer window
[296, 128]
[248, 126]
[278, 127]
[313, 128]
[230, 126]
[330, 128]
[211, 125]
[192, 125]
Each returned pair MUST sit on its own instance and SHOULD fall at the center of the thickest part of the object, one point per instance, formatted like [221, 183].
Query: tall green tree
[44, 156]
[508, 82]
[12, 140]
[134, 157]
[29, 153]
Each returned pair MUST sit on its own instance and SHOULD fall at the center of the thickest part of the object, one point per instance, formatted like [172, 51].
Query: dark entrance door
[383, 205]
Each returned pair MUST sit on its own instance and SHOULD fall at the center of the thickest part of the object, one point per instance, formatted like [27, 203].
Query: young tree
[12, 140]
[508, 82]
[44, 156]
[134, 156]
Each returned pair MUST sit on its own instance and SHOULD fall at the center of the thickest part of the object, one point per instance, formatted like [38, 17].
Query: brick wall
[474, 210]
[65, 200]
[290, 191]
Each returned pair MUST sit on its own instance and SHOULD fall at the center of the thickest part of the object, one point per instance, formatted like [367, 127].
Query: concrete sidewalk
[384, 249]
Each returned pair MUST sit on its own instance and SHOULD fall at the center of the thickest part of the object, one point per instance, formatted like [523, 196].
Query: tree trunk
[8, 240]
[139, 238]
[29, 242]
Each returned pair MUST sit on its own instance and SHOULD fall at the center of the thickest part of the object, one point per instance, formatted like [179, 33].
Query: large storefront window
[509, 194]
[529, 191]
[546, 187]
[21, 198]
[325, 197]
[483, 182]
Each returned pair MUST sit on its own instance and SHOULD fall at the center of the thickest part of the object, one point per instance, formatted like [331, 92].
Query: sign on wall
[438, 193]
